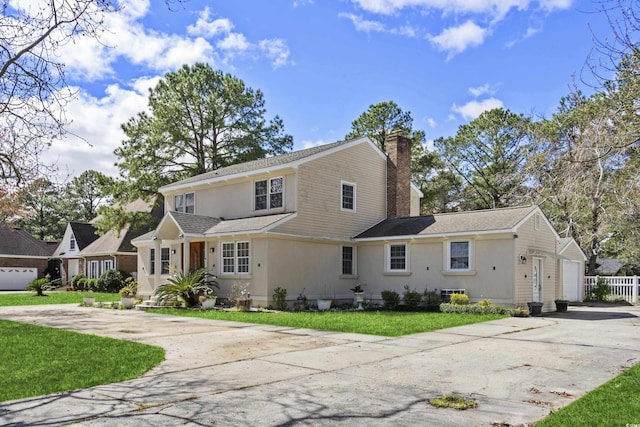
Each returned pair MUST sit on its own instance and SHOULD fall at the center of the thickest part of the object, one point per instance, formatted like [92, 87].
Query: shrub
[91, 285]
[280, 298]
[130, 289]
[484, 302]
[75, 282]
[601, 290]
[41, 285]
[459, 299]
[480, 309]
[391, 299]
[431, 297]
[112, 281]
[187, 287]
[412, 298]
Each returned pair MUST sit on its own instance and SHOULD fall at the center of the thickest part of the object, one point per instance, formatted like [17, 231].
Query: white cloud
[472, 109]
[310, 144]
[206, 28]
[431, 122]
[277, 51]
[495, 8]
[368, 26]
[482, 90]
[96, 126]
[234, 41]
[207, 40]
[455, 40]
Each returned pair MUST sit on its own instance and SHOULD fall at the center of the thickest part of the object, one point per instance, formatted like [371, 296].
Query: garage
[16, 278]
[571, 278]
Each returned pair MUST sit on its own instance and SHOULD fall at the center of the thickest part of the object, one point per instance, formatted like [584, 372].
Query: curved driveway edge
[235, 374]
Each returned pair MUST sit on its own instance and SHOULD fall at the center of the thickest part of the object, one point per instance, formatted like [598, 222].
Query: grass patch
[59, 297]
[37, 360]
[615, 403]
[455, 402]
[385, 323]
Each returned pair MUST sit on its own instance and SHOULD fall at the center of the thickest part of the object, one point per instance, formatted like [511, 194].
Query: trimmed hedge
[483, 309]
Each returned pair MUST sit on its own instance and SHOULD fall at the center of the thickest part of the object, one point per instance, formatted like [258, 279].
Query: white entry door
[571, 280]
[74, 268]
[537, 280]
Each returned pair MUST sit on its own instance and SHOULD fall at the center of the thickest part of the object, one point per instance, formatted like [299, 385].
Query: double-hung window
[164, 260]
[348, 261]
[94, 269]
[459, 255]
[152, 261]
[72, 243]
[348, 196]
[185, 203]
[236, 257]
[107, 265]
[397, 257]
[269, 194]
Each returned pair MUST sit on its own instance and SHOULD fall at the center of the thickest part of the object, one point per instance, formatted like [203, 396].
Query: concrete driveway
[232, 374]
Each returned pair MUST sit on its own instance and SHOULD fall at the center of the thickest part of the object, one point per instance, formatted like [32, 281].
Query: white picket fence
[620, 287]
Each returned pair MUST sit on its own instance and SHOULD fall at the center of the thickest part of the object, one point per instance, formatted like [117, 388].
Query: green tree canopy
[383, 118]
[199, 120]
[488, 155]
[85, 194]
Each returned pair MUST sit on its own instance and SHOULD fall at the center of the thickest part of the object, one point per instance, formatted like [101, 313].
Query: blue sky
[320, 64]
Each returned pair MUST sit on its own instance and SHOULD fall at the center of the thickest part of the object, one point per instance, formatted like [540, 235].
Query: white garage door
[16, 278]
[571, 280]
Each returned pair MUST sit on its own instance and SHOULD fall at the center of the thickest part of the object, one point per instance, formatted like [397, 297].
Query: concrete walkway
[231, 374]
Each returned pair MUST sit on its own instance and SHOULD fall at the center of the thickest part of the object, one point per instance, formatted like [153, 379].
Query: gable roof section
[566, 242]
[17, 242]
[206, 226]
[256, 166]
[84, 233]
[455, 223]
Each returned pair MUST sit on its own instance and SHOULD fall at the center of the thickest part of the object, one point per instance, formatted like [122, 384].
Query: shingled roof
[259, 164]
[482, 221]
[84, 233]
[17, 242]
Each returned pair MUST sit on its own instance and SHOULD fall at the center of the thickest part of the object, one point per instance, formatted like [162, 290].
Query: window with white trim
[269, 194]
[459, 255]
[397, 255]
[94, 270]
[152, 261]
[72, 243]
[236, 257]
[107, 264]
[165, 260]
[185, 203]
[348, 260]
[348, 196]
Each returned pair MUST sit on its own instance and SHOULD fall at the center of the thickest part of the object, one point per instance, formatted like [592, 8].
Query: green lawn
[36, 360]
[615, 403]
[385, 323]
[25, 298]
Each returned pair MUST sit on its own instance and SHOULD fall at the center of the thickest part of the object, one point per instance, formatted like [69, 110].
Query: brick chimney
[398, 175]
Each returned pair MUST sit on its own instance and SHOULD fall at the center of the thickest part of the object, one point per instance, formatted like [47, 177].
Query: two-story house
[323, 219]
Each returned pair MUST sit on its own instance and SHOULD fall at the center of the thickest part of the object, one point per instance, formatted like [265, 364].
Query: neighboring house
[319, 221]
[77, 236]
[23, 258]
[608, 266]
[82, 251]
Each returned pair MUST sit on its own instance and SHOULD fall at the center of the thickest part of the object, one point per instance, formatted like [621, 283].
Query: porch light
[212, 249]
[173, 251]
[523, 259]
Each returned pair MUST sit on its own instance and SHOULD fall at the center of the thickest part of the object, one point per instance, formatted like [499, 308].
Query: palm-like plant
[187, 287]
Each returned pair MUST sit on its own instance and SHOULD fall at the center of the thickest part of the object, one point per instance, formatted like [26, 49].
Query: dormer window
[269, 194]
[72, 243]
[185, 203]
